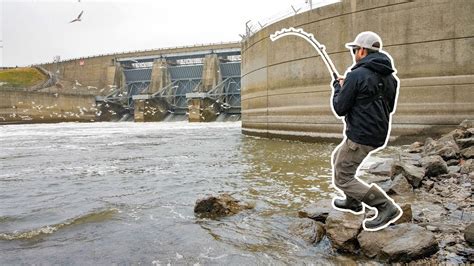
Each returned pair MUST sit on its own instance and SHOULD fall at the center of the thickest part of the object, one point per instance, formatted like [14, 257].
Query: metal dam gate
[200, 86]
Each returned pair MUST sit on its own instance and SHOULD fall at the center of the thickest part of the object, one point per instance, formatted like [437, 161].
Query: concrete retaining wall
[41, 107]
[285, 85]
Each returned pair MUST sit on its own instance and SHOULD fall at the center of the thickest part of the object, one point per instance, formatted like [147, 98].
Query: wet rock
[318, 211]
[468, 153]
[445, 147]
[221, 205]
[400, 186]
[434, 165]
[465, 143]
[413, 174]
[381, 168]
[407, 216]
[416, 147]
[309, 230]
[399, 243]
[467, 167]
[469, 234]
[342, 229]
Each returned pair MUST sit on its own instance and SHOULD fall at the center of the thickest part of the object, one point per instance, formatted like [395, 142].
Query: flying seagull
[78, 17]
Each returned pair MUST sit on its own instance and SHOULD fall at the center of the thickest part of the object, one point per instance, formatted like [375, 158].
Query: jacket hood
[377, 62]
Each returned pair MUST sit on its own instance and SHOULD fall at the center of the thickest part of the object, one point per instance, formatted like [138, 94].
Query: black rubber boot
[388, 212]
[348, 204]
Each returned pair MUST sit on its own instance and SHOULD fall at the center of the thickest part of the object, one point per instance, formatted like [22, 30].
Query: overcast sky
[34, 31]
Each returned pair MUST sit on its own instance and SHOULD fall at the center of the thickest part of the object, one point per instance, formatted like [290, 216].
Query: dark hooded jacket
[366, 99]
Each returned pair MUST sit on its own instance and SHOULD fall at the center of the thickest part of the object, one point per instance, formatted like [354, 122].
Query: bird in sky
[78, 17]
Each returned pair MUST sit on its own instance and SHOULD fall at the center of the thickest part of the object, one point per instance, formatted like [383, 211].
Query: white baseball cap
[366, 39]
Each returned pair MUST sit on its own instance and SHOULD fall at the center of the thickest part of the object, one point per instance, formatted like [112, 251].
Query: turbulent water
[124, 193]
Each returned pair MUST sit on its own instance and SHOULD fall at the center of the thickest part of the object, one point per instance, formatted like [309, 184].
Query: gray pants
[346, 160]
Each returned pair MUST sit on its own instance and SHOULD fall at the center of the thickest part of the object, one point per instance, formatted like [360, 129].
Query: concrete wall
[41, 107]
[285, 85]
[99, 71]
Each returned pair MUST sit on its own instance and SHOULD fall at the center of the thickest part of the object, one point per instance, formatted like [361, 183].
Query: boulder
[410, 158]
[445, 147]
[465, 143]
[399, 243]
[407, 216]
[413, 174]
[318, 211]
[342, 229]
[467, 167]
[469, 234]
[400, 186]
[221, 205]
[381, 168]
[434, 165]
[309, 230]
[468, 153]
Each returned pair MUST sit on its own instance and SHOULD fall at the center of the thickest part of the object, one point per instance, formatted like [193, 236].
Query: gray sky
[34, 31]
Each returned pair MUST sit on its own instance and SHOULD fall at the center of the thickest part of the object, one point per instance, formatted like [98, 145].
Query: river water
[101, 193]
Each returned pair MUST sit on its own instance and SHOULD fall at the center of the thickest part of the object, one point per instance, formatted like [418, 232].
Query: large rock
[221, 205]
[467, 167]
[403, 242]
[318, 211]
[381, 168]
[413, 174]
[469, 234]
[309, 230]
[434, 165]
[400, 186]
[468, 153]
[445, 147]
[342, 229]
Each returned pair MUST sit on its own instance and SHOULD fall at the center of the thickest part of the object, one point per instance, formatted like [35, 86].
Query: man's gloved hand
[337, 80]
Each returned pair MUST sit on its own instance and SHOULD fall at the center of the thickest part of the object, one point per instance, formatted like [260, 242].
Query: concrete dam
[196, 83]
[286, 86]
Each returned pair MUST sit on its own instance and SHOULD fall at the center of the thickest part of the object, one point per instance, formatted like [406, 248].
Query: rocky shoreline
[432, 183]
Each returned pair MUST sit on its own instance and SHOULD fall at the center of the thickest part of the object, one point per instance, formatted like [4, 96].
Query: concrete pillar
[200, 107]
[150, 110]
[119, 77]
[159, 76]
[211, 75]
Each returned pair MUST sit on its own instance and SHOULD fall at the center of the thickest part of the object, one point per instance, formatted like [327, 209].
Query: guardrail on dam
[286, 87]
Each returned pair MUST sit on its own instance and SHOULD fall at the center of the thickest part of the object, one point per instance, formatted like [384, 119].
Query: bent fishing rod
[321, 49]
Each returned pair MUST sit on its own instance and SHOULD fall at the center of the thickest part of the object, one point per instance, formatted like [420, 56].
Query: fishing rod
[310, 38]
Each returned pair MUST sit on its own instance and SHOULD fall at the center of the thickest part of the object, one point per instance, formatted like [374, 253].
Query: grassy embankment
[20, 77]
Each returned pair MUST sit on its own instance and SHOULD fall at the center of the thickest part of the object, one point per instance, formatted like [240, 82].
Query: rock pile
[432, 182]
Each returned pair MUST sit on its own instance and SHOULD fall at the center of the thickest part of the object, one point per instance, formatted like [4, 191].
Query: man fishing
[366, 98]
